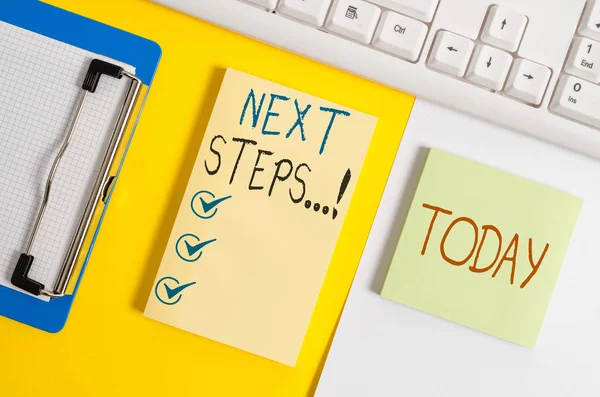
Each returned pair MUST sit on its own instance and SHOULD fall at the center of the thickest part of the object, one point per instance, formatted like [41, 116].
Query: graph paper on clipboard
[44, 63]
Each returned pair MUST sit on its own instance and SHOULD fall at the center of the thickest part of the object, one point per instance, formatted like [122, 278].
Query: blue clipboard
[102, 39]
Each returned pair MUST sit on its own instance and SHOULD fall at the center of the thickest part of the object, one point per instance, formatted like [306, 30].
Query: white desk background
[383, 348]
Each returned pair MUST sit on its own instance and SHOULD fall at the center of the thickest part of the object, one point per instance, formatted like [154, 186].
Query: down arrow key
[489, 67]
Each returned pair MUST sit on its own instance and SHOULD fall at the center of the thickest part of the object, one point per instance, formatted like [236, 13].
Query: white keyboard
[531, 65]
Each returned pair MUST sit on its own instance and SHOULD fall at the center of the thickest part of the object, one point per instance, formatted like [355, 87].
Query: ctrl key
[577, 99]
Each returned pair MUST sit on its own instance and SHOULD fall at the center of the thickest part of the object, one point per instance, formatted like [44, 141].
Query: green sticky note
[482, 247]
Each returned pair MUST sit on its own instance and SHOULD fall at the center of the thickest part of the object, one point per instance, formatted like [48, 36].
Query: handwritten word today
[297, 125]
[509, 256]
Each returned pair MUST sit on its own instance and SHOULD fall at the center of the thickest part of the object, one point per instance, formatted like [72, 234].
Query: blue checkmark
[189, 247]
[192, 249]
[204, 204]
[173, 292]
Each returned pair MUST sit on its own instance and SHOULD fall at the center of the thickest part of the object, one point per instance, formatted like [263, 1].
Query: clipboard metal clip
[20, 277]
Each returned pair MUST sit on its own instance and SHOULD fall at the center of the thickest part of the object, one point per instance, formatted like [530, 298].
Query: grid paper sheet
[40, 83]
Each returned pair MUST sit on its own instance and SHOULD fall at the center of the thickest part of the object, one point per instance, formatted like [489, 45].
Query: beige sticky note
[261, 216]
[482, 247]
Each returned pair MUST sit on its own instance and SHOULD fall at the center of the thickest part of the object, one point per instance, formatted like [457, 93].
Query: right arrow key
[527, 81]
[590, 22]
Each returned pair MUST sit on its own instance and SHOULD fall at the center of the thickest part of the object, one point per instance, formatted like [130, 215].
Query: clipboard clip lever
[20, 277]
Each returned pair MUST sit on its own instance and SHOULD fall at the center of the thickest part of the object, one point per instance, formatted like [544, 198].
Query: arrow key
[504, 28]
[528, 81]
[590, 22]
[489, 67]
[450, 53]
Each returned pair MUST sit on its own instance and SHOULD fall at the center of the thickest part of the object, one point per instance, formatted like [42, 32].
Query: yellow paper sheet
[260, 217]
[107, 333]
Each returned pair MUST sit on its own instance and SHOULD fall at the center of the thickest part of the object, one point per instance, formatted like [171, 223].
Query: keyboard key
[354, 19]
[528, 81]
[310, 11]
[590, 22]
[489, 67]
[577, 99]
[419, 9]
[584, 59]
[504, 28]
[268, 4]
[450, 53]
[400, 35]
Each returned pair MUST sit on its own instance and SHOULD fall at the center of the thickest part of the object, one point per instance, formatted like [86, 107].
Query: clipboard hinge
[96, 70]
[106, 189]
[20, 277]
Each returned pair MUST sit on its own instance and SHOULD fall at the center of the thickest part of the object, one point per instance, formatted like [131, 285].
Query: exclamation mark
[343, 188]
